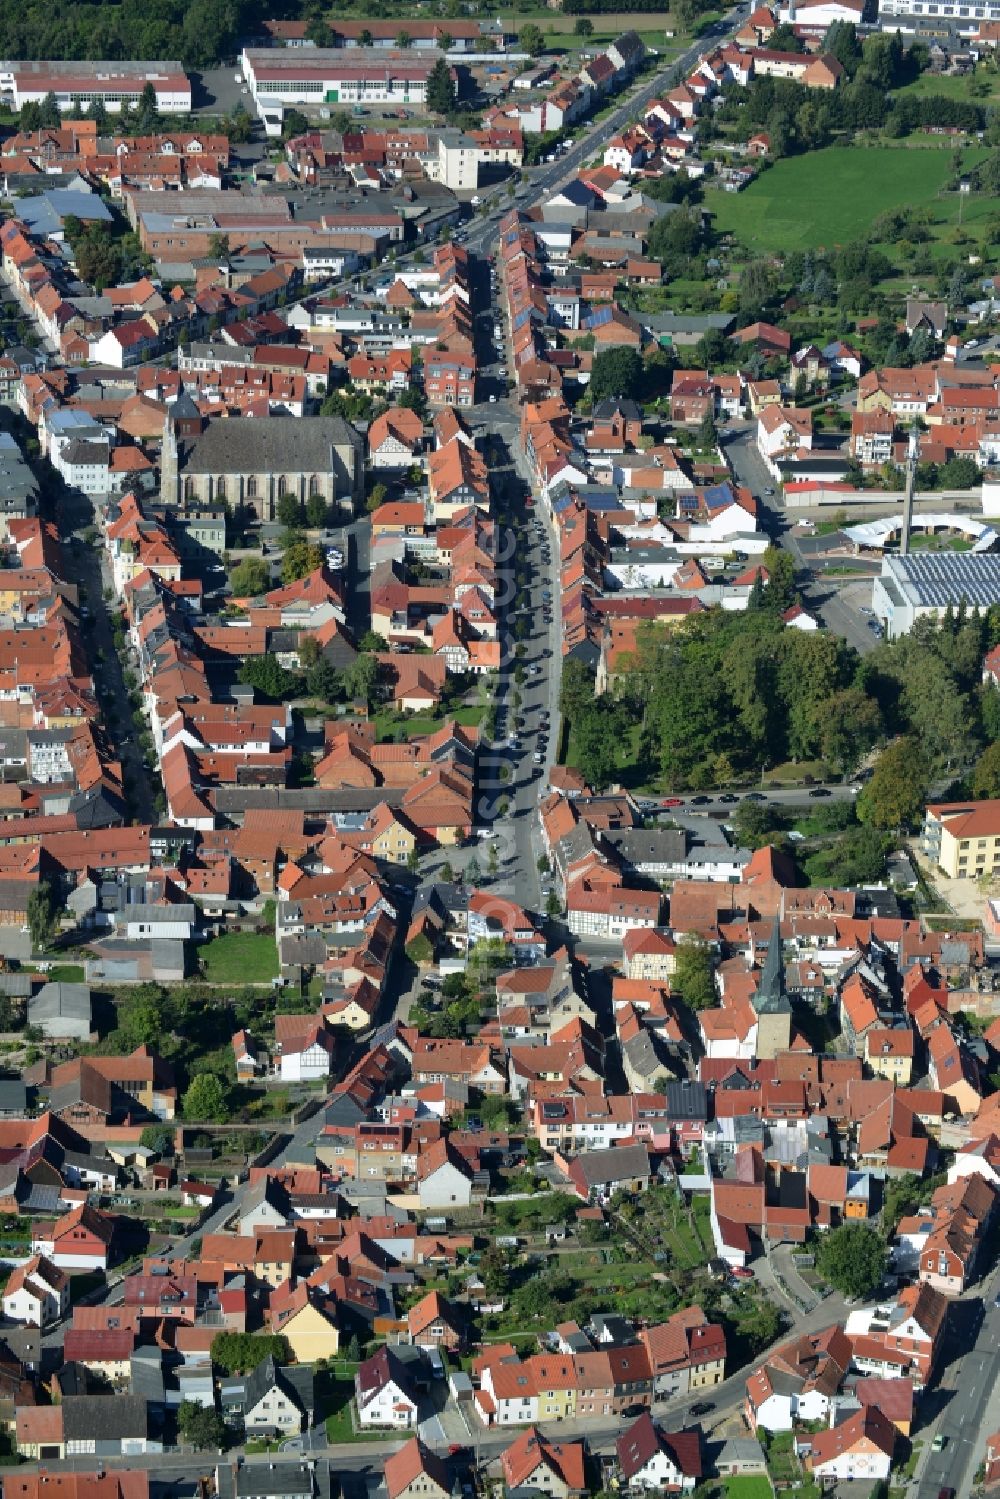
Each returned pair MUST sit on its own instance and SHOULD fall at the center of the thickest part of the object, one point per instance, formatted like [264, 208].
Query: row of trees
[199, 32]
[796, 120]
[318, 679]
[727, 695]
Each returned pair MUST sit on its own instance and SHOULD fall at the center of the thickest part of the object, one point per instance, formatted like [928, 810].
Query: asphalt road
[972, 1344]
[822, 596]
[545, 180]
[85, 566]
[722, 801]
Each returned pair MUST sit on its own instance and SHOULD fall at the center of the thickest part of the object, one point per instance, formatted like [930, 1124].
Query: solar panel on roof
[948, 577]
[600, 317]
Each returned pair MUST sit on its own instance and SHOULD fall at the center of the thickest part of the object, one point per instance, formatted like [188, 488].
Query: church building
[254, 461]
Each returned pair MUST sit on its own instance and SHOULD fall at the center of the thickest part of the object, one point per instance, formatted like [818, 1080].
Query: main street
[545, 181]
[963, 1406]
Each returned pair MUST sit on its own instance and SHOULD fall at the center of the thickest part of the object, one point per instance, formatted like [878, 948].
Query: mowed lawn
[748, 1486]
[241, 958]
[828, 198]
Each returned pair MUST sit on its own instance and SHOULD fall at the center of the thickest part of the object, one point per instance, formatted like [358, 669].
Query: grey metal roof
[13, 1095]
[600, 1167]
[105, 1417]
[59, 999]
[295, 444]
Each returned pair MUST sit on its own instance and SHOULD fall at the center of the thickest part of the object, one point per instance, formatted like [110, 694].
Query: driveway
[783, 1261]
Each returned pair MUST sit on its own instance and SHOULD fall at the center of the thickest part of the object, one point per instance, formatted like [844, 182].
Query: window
[251, 488]
[220, 488]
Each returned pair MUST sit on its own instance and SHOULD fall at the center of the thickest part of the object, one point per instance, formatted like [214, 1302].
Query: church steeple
[169, 466]
[771, 996]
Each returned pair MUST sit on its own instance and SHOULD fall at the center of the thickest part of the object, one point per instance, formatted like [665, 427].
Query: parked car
[672, 801]
[729, 797]
[820, 791]
[702, 1407]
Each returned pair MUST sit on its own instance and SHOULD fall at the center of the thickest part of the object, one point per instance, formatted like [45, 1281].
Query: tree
[583, 26]
[850, 726]
[50, 116]
[755, 823]
[218, 246]
[239, 126]
[323, 681]
[300, 559]
[440, 88]
[779, 565]
[531, 40]
[158, 1138]
[708, 436]
[895, 796]
[316, 511]
[493, 862]
[360, 679]
[267, 675]
[250, 577]
[853, 1259]
[596, 739]
[99, 114]
[473, 873]
[986, 776]
[676, 239]
[553, 906]
[403, 39]
[147, 116]
[693, 977]
[295, 123]
[494, 1271]
[289, 511]
[318, 32]
[617, 373]
[241, 1352]
[205, 1100]
[376, 497]
[412, 399]
[43, 913]
[97, 256]
[201, 1425]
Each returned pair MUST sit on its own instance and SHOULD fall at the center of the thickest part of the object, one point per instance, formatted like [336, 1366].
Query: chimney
[911, 473]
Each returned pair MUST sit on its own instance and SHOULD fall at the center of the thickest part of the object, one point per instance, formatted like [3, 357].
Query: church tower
[771, 1002]
[182, 420]
[169, 465]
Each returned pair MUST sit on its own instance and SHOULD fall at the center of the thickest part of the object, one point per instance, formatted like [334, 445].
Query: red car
[740, 1272]
[672, 801]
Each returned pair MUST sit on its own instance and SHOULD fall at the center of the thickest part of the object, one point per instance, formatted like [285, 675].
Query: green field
[241, 958]
[979, 87]
[745, 1486]
[829, 198]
